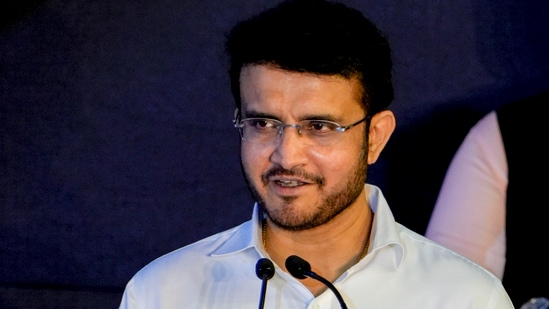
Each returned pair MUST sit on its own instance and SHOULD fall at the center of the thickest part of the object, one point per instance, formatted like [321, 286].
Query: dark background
[116, 140]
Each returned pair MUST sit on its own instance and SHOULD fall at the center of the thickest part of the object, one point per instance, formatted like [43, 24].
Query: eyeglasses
[266, 131]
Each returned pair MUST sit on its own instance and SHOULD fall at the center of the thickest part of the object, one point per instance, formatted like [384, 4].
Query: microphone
[536, 303]
[264, 269]
[301, 269]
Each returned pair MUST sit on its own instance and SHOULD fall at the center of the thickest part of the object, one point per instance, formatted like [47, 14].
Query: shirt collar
[245, 237]
[385, 232]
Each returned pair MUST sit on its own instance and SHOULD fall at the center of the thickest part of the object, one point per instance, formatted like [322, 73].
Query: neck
[330, 249]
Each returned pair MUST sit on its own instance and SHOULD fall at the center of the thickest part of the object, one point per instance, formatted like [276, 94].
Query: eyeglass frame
[238, 123]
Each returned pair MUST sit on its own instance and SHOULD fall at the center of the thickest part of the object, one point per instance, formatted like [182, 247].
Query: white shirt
[402, 270]
[469, 214]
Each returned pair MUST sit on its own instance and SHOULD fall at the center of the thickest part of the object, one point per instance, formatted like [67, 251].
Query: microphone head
[297, 266]
[264, 267]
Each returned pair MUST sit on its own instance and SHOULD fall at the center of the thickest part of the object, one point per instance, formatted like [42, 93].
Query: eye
[321, 126]
[263, 123]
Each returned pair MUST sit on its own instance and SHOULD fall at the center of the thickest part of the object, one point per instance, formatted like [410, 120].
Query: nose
[289, 150]
[284, 126]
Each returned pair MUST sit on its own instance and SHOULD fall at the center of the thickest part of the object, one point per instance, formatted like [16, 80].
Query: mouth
[289, 183]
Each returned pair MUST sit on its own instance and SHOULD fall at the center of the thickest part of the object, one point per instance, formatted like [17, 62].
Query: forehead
[271, 90]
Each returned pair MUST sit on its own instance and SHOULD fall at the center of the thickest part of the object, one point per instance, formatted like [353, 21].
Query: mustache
[280, 171]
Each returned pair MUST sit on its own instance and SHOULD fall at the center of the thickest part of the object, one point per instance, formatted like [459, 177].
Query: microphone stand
[264, 269]
[330, 286]
[263, 291]
[300, 269]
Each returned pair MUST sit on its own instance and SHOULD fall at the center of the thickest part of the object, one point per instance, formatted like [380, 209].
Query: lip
[278, 179]
[288, 186]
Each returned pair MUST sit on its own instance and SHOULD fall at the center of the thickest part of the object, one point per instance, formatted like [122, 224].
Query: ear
[382, 126]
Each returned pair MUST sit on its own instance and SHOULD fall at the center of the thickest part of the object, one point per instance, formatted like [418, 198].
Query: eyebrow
[255, 114]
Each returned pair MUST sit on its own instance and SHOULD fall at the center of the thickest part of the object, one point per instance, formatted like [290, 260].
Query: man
[312, 83]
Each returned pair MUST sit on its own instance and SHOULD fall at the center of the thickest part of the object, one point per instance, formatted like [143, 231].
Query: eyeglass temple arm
[236, 116]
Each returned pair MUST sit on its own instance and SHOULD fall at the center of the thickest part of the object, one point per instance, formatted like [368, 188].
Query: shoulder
[447, 276]
[181, 262]
[439, 259]
[486, 128]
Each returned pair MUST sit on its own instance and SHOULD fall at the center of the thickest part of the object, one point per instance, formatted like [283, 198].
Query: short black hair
[319, 37]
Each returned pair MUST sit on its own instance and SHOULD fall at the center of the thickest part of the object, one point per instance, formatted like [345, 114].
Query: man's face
[298, 185]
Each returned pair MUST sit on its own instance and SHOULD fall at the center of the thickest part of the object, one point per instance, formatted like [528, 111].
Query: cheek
[343, 154]
[336, 162]
[254, 158]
